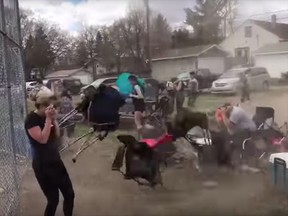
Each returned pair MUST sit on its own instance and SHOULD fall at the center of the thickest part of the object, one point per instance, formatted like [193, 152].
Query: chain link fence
[14, 149]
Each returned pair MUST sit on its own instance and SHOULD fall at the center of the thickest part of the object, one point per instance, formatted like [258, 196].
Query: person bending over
[43, 132]
[239, 124]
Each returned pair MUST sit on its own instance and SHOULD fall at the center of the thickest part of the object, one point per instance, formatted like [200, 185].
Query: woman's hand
[223, 111]
[50, 112]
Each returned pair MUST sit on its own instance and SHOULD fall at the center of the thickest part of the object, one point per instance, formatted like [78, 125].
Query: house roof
[276, 48]
[194, 51]
[63, 73]
[280, 29]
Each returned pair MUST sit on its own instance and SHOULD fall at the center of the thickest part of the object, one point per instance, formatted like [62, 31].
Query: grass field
[204, 103]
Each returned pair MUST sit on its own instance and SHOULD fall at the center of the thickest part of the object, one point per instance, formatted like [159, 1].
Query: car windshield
[72, 82]
[97, 82]
[184, 76]
[77, 82]
[232, 74]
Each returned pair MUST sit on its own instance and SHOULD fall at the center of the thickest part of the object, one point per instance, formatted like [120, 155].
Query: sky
[70, 15]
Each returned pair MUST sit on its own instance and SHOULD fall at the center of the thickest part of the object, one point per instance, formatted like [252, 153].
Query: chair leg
[84, 146]
[119, 158]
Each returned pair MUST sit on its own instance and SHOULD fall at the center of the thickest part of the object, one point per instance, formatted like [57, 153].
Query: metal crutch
[84, 146]
[67, 116]
[75, 141]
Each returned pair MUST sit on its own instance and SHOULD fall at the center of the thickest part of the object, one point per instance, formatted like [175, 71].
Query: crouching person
[239, 124]
[218, 151]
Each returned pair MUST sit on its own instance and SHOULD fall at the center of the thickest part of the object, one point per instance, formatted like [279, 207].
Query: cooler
[278, 169]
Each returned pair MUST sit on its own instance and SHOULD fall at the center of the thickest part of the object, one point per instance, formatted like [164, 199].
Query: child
[66, 106]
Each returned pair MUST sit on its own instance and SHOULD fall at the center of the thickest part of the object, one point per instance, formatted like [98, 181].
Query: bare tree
[230, 15]
[161, 34]
[89, 37]
[27, 25]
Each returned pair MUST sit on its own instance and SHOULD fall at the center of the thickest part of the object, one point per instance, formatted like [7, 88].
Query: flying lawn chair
[103, 122]
[102, 119]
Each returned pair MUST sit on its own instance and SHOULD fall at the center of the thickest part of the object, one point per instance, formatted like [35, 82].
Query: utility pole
[148, 51]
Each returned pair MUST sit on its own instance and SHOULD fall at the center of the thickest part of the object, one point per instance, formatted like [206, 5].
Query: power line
[262, 14]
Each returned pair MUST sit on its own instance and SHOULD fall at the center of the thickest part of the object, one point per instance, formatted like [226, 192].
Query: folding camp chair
[267, 130]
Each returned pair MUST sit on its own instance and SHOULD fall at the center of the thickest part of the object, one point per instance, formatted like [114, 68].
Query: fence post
[7, 87]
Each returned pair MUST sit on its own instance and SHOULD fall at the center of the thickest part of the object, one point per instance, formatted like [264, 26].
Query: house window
[248, 31]
[243, 52]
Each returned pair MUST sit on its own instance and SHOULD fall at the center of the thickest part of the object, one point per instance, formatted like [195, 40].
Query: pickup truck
[204, 77]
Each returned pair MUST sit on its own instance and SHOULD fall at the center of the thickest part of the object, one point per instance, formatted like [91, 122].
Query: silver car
[229, 82]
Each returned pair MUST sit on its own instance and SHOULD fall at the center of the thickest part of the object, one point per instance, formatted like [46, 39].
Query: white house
[274, 57]
[252, 35]
[84, 75]
[173, 62]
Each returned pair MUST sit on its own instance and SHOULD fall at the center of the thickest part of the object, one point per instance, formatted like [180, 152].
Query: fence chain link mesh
[14, 148]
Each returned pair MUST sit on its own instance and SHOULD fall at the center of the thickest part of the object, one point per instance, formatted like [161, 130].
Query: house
[96, 66]
[252, 35]
[173, 62]
[274, 57]
[84, 75]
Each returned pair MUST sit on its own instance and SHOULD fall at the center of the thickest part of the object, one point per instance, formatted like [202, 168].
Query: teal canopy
[125, 86]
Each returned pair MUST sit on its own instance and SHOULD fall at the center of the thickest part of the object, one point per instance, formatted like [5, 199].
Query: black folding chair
[264, 119]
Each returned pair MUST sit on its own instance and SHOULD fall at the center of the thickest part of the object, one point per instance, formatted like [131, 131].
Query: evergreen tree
[38, 53]
[205, 20]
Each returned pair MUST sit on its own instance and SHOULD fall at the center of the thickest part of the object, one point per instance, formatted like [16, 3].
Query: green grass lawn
[204, 103]
[210, 102]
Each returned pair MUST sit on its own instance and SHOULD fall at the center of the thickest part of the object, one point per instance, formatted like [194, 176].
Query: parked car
[31, 85]
[229, 82]
[204, 77]
[73, 86]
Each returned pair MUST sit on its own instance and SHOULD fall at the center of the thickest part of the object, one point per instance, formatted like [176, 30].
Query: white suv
[229, 82]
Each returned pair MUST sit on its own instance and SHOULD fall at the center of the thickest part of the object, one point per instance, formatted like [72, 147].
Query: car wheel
[265, 86]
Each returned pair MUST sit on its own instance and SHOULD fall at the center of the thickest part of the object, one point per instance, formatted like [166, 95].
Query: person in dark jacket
[193, 89]
[180, 94]
[245, 88]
